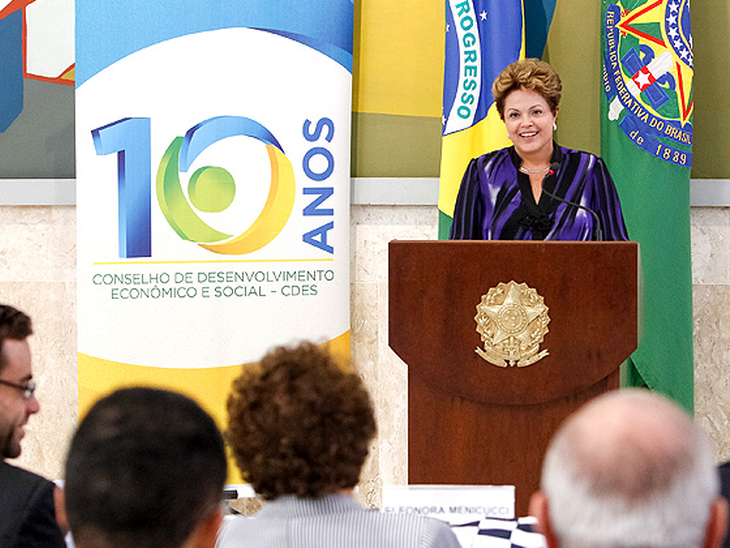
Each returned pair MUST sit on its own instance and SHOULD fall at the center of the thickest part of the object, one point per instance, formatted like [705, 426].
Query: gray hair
[630, 470]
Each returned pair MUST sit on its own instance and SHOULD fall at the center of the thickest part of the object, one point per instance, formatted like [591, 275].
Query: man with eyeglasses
[27, 510]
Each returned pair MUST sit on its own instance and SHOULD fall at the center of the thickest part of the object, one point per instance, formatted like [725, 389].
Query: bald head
[630, 469]
[630, 445]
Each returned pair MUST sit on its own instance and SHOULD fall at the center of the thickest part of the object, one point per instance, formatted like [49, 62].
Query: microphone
[554, 169]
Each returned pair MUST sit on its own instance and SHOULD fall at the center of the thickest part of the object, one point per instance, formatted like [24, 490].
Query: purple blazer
[495, 201]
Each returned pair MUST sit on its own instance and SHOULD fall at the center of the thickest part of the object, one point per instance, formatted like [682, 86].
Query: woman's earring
[555, 126]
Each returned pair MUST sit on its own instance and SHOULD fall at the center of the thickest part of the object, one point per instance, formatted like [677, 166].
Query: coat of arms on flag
[646, 140]
[647, 75]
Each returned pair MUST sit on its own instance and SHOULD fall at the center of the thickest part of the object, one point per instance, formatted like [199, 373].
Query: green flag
[646, 140]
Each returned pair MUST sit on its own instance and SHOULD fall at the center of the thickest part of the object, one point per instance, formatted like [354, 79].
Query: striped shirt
[334, 521]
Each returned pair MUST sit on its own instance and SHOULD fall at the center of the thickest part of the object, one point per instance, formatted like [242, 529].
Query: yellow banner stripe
[208, 386]
[398, 57]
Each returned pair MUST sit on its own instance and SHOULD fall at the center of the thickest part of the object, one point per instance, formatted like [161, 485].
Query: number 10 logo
[211, 189]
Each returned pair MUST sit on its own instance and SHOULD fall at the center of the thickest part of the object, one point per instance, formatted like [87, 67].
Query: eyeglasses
[28, 389]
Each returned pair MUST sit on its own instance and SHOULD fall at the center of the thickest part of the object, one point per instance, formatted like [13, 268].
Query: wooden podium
[472, 422]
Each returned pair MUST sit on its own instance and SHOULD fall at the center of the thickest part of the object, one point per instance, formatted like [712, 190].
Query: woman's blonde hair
[531, 75]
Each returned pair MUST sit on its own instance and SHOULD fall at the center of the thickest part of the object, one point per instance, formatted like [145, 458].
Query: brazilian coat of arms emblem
[512, 321]
[647, 75]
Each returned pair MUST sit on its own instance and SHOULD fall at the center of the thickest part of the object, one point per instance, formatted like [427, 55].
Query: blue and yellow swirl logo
[211, 189]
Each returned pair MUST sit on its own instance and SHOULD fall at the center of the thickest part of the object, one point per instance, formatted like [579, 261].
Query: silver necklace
[525, 170]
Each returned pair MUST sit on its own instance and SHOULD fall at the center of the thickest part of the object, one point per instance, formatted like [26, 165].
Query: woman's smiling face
[529, 122]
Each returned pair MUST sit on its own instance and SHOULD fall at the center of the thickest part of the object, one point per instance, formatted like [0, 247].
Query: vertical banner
[482, 38]
[646, 140]
[213, 180]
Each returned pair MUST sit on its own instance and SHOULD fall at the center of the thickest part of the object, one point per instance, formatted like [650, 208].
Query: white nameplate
[455, 504]
[461, 506]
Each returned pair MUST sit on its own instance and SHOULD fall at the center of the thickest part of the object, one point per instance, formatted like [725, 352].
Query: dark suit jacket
[724, 470]
[27, 511]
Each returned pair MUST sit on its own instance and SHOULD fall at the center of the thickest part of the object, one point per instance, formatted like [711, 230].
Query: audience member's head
[299, 425]
[630, 470]
[145, 469]
[17, 402]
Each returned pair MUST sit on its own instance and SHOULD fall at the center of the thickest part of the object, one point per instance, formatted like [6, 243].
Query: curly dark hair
[299, 424]
[529, 74]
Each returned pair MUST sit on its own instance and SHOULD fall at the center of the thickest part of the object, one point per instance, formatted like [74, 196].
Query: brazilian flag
[646, 140]
[482, 37]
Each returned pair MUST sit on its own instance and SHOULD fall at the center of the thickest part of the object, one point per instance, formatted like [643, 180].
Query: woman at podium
[535, 189]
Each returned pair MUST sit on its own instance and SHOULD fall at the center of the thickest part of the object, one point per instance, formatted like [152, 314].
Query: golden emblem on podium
[512, 321]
